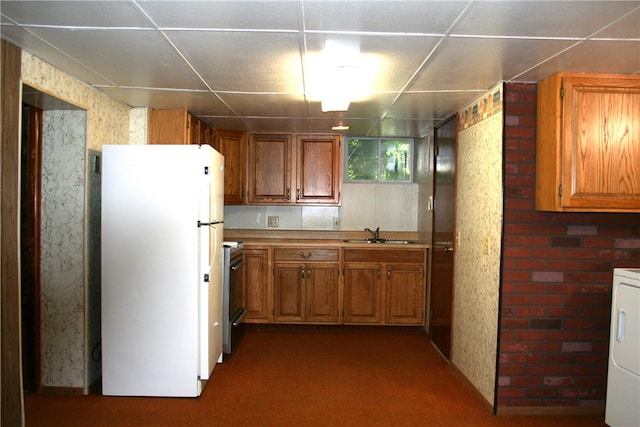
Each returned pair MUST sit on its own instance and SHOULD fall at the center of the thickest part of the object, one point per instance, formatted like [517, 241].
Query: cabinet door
[322, 292]
[233, 145]
[269, 168]
[601, 147]
[256, 295]
[362, 293]
[405, 294]
[588, 143]
[318, 169]
[169, 127]
[289, 292]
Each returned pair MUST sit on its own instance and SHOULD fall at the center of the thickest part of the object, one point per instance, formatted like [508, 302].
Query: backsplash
[392, 207]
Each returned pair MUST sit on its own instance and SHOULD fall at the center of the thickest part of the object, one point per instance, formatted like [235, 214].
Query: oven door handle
[236, 265]
[238, 317]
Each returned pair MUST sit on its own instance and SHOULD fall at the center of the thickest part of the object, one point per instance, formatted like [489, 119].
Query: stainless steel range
[232, 296]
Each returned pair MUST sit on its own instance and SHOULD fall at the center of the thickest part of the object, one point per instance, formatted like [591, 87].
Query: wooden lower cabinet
[306, 293]
[405, 294]
[378, 286]
[362, 293]
[257, 300]
[384, 286]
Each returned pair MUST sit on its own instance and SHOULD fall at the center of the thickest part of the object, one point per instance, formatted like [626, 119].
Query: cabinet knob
[448, 249]
[305, 256]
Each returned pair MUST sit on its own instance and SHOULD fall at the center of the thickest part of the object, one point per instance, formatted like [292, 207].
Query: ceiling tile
[540, 18]
[125, 57]
[462, 63]
[431, 105]
[199, 103]
[266, 105]
[432, 17]
[622, 57]
[244, 61]
[627, 27]
[76, 13]
[262, 15]
[48, 53]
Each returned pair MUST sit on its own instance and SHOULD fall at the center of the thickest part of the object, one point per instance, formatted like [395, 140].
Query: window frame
[379, 140]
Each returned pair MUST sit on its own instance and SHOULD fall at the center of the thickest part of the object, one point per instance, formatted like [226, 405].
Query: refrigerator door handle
[206, 224]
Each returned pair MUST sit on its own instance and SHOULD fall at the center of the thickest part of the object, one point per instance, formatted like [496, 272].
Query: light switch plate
[273, 221]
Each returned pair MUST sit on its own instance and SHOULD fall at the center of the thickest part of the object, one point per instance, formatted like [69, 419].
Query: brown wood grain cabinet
[318, 173]
[257, 299]
[306, 284]
[363, 293]
[178, 127]
[588, 143]
[294, 169]
[269, 168]
[384, 286]
[233, 146]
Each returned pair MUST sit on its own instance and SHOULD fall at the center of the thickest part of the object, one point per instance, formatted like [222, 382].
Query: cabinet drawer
[305, 254]
[410, 256]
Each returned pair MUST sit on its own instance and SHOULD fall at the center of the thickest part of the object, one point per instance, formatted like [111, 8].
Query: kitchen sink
[394, 242]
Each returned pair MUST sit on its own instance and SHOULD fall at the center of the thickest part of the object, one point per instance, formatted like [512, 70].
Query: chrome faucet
[376, 234]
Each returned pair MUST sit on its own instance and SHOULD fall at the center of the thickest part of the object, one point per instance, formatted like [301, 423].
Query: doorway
[52, 192]
[443, 241]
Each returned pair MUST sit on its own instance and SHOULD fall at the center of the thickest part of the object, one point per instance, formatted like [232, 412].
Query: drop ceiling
[241, 64]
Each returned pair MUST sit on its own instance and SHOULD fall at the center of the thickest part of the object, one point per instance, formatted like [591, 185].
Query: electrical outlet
[273, 221]
[336, 222]
[486, 245]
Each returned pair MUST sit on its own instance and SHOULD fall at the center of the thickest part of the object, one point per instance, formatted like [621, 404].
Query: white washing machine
[623, 381]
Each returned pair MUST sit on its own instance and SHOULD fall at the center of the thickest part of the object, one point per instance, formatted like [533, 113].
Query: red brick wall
[556, 281]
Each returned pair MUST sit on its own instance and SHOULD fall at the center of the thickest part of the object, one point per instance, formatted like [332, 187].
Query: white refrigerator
[162, 233]
[623, 379]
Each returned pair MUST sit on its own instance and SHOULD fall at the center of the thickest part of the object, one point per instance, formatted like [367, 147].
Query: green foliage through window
[379, 159]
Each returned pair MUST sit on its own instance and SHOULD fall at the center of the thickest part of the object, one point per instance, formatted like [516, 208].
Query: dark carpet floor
[307, 377]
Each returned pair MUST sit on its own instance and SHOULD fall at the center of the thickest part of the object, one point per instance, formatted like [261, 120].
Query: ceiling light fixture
[341, 127]
[339, 74]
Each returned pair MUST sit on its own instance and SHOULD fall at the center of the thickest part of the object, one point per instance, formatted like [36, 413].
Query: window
[379, 159]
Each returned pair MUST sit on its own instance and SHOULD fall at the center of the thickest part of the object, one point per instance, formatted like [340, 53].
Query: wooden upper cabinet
[307, 172]
[269, 168]
[588, 143]
[318, 177]
[233, 146]
[178, 127]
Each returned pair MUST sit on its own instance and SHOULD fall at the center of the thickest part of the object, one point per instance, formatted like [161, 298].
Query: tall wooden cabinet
[294, 169]
[233, 146]
[588, 143]
[178, 127]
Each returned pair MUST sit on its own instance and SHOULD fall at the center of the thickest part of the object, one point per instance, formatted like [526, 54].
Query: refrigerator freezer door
[150, 270]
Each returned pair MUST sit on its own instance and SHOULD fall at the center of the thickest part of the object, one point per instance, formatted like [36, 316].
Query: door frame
[30, 238]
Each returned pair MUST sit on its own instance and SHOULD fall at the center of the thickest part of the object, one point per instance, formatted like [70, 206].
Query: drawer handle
[305, 256]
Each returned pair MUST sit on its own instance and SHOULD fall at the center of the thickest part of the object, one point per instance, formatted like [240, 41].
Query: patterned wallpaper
[71, 231]
[478, 217]
[63, 207]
